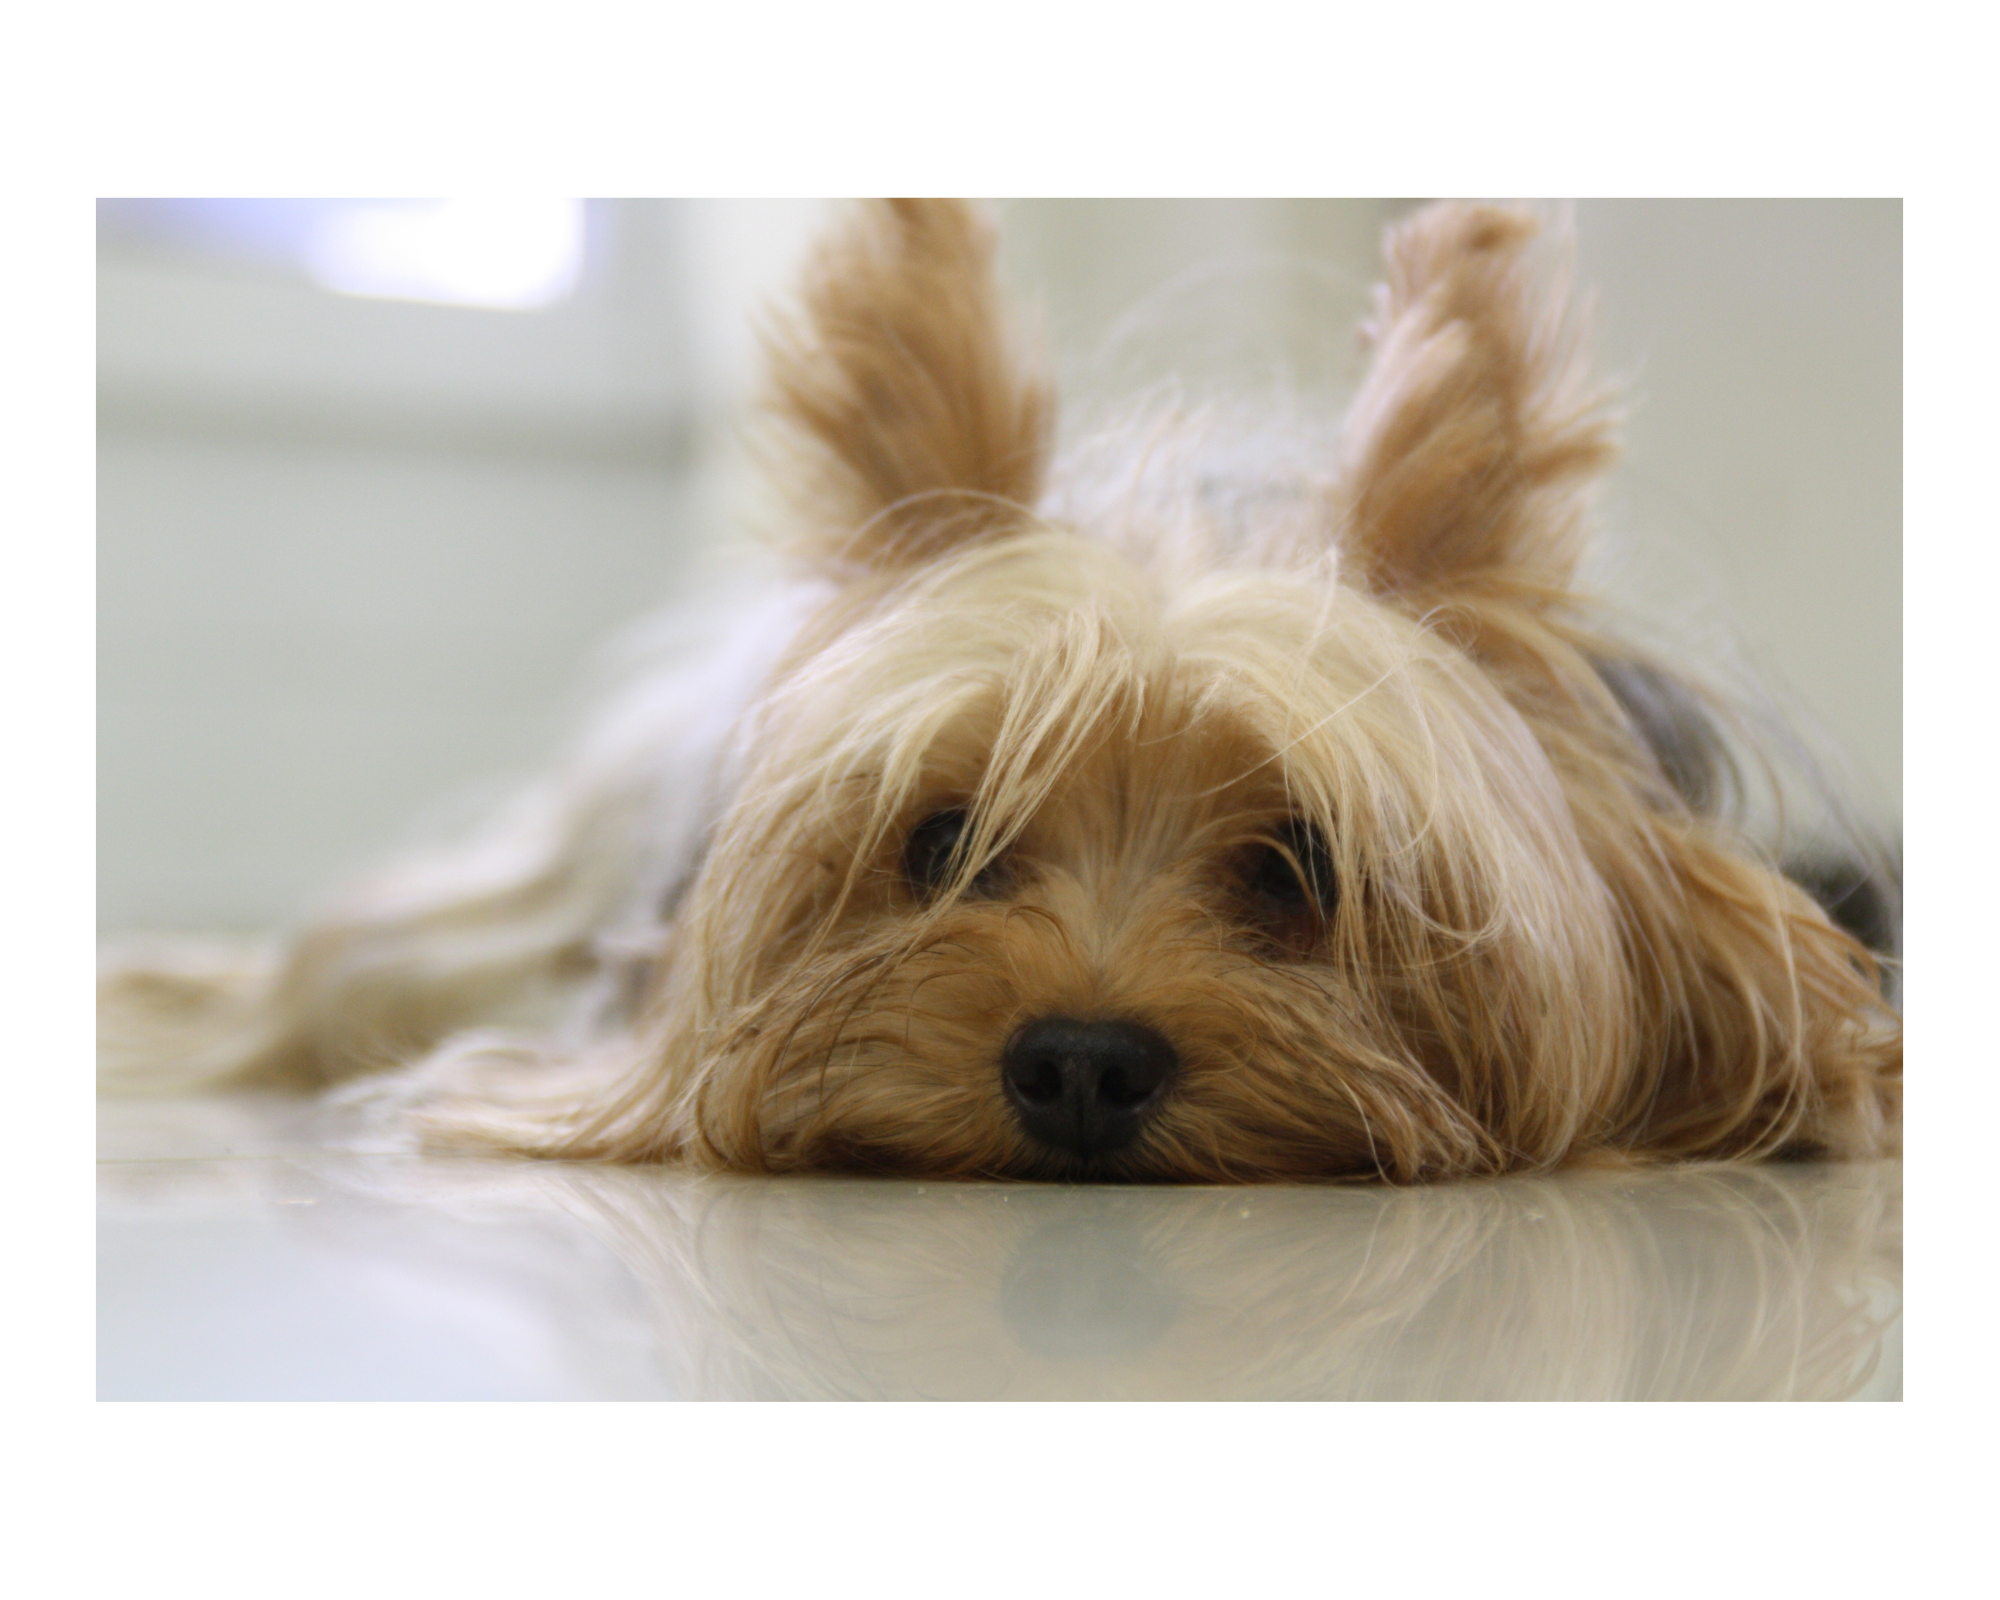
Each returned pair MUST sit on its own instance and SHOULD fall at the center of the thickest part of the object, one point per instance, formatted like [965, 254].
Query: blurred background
[376, 479]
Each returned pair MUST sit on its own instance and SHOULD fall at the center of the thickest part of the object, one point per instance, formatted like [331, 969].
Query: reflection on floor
[248, 1251]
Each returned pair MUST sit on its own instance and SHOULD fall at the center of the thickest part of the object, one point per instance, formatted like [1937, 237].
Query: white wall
[354, 556]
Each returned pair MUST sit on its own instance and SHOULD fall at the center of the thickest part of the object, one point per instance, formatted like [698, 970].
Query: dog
[1088, 816]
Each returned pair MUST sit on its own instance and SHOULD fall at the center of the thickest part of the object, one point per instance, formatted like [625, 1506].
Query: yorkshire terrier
[1083, 819]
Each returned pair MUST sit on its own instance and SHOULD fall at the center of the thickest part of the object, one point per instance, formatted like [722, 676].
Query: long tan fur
[1544, 949]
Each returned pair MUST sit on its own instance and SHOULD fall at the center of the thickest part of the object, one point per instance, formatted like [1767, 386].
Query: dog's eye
[931, 855]
[1290, 874]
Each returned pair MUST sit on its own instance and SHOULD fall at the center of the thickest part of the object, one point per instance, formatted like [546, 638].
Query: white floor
[244, 1253]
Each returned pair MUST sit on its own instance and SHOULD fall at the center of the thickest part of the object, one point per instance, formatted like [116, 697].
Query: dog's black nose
[1086, 1087]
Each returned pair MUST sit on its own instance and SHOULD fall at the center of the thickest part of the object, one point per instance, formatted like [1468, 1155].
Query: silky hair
[1521, 929]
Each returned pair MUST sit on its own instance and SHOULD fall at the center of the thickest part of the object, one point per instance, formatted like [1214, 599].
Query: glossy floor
[252, 1249]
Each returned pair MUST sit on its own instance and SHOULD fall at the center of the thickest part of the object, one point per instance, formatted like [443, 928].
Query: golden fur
[1543, 948]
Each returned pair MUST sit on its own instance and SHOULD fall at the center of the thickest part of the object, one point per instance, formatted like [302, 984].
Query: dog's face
[1040, 869]
[1110, 839]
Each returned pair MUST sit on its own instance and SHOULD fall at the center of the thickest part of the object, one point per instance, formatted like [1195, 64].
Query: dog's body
[1103, 824]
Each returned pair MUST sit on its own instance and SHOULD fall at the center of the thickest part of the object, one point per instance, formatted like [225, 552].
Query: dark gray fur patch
[1670, 720]
[1864, 899]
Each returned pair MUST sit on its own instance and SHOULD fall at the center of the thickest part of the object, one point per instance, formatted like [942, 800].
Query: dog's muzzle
[1086, 1087]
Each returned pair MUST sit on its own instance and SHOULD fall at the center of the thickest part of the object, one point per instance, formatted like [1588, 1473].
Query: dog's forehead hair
[1169, 715]
[1164, 772]
[1056, 655]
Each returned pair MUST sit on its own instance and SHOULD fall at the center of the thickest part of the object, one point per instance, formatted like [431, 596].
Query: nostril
[1117, 1090]
[1037, 1079]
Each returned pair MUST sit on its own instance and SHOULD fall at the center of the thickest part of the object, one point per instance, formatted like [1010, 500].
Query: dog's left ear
[909, 424]
[1469, 452]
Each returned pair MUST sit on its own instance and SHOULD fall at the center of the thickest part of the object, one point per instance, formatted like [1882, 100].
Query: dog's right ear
[907, 424]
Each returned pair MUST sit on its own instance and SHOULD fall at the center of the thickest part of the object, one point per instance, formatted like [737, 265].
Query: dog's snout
[1086, 1087]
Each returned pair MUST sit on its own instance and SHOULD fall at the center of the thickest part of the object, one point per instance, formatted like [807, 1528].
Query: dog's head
[1109, 837]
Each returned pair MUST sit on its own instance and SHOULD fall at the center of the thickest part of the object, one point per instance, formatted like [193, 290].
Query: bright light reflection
[506, 255]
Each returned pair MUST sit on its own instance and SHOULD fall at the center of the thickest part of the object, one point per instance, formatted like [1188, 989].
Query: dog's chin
[1024, 1159]
[1046, 1164]
[1144, 1162]
[1143, 1167]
